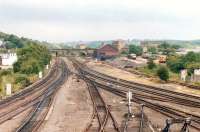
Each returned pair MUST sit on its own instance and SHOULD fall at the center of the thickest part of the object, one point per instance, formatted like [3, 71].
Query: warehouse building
[106, 51]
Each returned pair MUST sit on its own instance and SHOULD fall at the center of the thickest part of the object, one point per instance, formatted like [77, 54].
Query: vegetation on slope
[33, 56]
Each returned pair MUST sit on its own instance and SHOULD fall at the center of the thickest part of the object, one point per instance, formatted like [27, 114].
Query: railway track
[190, 100]
[179, 98]
[101, 110]
[167, 111]
[24, 101]
[38, 114]
[33, 96]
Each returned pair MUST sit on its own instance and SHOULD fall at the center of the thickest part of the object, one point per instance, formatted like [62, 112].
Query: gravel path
[71, 109]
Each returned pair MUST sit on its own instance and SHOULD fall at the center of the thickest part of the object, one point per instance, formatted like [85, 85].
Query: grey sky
[72, 20]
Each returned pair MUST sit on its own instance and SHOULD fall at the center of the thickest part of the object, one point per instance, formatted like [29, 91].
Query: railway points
[180, 98]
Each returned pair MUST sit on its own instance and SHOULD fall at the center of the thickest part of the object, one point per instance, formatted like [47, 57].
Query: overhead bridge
[73, 51]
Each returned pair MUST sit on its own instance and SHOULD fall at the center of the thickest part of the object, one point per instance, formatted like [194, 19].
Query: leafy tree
[151, 64]
[192, 66]
[163, 73]
[135, 49]
[164, 45]
[16, 66]
[189, 61]
[153, 50]
[175, 63]
[191, 57]
[168, 49]
[22, 79]
[176, 46]
[5, 72]
[32, 58]
[15, 42]
[10, 45]
[124, 53]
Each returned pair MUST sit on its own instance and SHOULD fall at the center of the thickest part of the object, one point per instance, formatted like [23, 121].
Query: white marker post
[8, 89]
[129, 97]
[40, 74]
[47, 67]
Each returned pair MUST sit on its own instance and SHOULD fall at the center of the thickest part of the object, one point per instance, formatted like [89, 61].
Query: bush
[5, 72]
[124, 53]
[135, 49]
[22, 79]
[153, 50]
[151, 64]
[163, 73]
[32, 58]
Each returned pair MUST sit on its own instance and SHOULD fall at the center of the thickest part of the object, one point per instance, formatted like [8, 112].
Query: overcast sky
[74, 20]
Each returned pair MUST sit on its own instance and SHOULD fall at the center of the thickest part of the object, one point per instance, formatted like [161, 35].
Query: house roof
[108, 47]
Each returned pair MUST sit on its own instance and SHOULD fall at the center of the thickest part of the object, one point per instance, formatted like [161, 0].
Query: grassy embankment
[32, 58]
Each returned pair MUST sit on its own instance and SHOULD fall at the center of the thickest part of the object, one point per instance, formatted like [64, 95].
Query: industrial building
[107, 51]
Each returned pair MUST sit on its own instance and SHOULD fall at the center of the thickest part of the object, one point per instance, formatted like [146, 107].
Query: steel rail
[47, 97]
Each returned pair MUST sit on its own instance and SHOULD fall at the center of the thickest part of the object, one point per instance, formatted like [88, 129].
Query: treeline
[32, 58]
[12, 41]
[165, 48]
[32, 55]
[190, 61]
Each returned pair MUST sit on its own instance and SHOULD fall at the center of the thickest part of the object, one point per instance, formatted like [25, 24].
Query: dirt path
[71, 109]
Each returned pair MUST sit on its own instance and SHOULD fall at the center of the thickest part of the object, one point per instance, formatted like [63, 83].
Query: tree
[164, 45]
[175, 63]
[192, 57]
[151, 64]
[32, 58]
[192, 66]
[10, 45]
[135, 49]
[163, 73]
[153, 50]
[124, 53]
[167, 49]
[176, 46]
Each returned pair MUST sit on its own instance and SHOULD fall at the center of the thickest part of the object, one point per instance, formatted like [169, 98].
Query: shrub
[135, 49]
[5, 72]
[22, 79]
[151, 64]
[163, 73]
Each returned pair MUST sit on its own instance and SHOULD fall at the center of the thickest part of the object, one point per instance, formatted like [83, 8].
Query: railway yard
[77, 97]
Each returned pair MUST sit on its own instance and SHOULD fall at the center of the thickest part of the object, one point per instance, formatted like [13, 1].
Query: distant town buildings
[119, 44]
[81, 46]
[150, 43]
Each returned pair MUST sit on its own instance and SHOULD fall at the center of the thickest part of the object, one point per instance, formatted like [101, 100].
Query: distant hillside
[196, 42]
[11, 41]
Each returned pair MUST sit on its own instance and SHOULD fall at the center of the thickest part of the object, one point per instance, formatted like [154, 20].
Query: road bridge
[73, 51]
